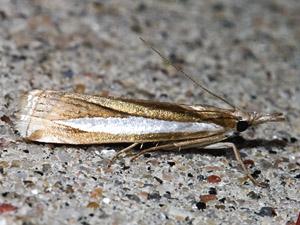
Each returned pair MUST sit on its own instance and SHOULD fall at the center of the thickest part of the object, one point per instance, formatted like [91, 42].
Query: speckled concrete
[248, 51]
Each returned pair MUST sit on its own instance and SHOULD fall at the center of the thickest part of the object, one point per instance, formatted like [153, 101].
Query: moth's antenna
[185, 74]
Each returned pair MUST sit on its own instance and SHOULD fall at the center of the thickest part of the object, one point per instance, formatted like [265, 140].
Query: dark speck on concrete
[201, 205]
[154, 196]
[212, 191]
[293, 140]
[167, 195]
[68, 73]
[133, 197]
[190, 175]
[256, 173]
[297, 176]
[171, 163]
[222, 200]
[253, 195]
[200, 177]
[267, 211]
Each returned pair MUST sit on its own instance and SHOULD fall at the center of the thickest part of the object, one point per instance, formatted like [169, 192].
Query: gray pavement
[247, 51]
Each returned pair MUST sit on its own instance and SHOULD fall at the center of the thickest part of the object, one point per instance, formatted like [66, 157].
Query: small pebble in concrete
[267, 211]
[201, 205]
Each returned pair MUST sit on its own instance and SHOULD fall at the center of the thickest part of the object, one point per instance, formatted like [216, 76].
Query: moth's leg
[122, 151]
[152, 149]
[181, 145]
[208, 143]
[238, 158]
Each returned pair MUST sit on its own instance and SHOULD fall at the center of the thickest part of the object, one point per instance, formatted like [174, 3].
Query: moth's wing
[58, 117]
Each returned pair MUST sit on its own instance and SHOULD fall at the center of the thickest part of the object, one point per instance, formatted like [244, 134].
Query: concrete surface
[248, 51]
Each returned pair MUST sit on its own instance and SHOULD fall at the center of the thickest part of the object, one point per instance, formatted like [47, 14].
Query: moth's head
[248, 119]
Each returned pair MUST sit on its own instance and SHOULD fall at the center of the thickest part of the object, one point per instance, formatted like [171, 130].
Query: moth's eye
[242, 126]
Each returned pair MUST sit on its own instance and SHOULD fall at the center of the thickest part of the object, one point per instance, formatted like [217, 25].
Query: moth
[78, 119]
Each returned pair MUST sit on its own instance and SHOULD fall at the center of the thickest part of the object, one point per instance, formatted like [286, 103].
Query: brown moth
[70, 118]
